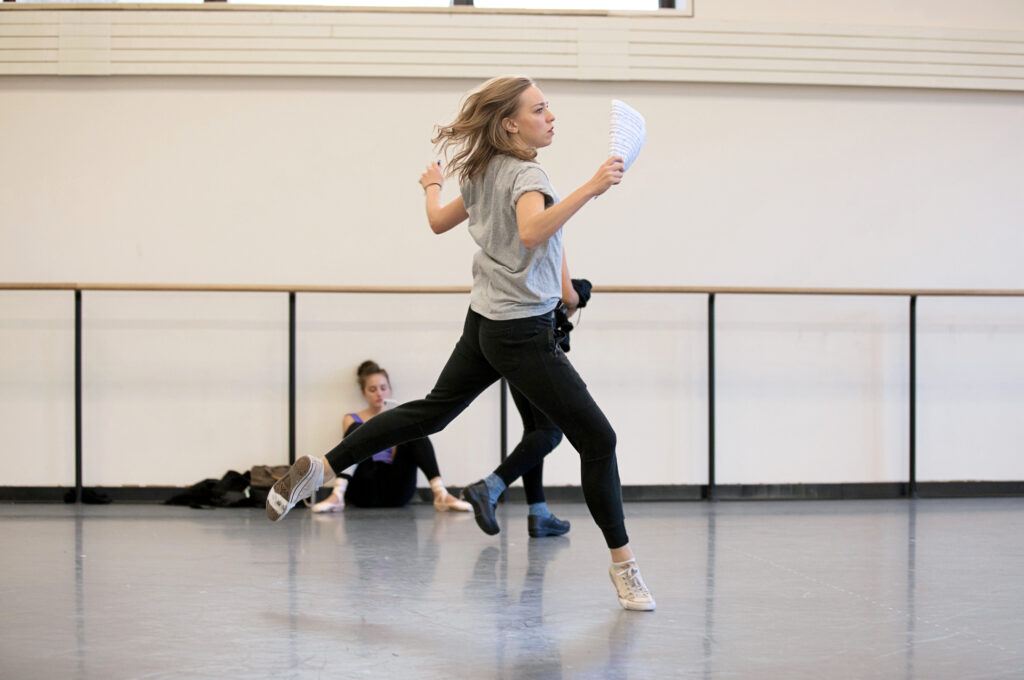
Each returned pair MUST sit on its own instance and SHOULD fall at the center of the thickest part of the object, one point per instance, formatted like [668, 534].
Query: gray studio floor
[850, 589]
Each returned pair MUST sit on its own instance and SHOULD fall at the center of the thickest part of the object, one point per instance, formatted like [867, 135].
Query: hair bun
[368, 367]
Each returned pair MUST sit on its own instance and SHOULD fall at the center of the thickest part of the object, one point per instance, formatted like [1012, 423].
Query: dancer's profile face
[376, 389]
[533, 122]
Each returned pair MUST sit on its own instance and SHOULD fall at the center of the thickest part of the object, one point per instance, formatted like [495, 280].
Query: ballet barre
[709, 493]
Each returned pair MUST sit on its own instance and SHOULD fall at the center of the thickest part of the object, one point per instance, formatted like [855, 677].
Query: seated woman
[388, 479]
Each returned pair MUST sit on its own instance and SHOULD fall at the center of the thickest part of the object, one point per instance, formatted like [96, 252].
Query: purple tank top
[385, 456]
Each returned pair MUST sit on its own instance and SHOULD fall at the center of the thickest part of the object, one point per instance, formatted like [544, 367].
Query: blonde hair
[477, 134]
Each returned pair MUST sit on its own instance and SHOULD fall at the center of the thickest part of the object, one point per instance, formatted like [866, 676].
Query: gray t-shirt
[509, 281]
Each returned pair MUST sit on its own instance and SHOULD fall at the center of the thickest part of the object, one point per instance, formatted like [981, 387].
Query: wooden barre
[443, 290]
[231, 288]
[749, 290]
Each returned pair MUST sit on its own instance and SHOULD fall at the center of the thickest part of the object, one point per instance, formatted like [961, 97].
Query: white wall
[179, 387]
[37, 383]
[970, 383]
[313, 181]
[812, 390]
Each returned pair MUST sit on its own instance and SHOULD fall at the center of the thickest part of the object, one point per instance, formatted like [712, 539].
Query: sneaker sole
[542, 534]
[636, 606]
[301, 489]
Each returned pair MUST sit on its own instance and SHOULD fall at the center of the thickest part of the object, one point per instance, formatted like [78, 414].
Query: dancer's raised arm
[441, 218]
[537, 224]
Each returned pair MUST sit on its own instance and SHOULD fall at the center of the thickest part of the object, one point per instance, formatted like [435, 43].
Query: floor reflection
[914, 590]
[911, 587]
[709, 595]
[523, 648]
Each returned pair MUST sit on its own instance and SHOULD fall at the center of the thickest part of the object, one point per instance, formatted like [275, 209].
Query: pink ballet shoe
[333, 503]
[447, 502]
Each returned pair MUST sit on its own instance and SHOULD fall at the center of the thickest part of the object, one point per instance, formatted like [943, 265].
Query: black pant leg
[376, 484]
[421, 452]
[533, 484]
[525, 353]
[361, 491]
[400, 476]
[540, 437]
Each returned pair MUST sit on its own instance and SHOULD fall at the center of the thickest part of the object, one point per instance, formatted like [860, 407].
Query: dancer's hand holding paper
[609, 174]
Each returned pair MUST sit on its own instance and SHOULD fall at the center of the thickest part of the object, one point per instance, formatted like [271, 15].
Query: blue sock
[540, 509]
[495, 485]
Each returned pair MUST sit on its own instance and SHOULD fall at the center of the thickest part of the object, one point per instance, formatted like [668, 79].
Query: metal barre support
[912, 472]
[711, 397]
[291, 377]
[78, 396]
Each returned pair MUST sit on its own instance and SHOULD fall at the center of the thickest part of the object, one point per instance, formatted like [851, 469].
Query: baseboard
[59, 494]
[811, 492]
[574, 494]
[636, 493]
[969, 489]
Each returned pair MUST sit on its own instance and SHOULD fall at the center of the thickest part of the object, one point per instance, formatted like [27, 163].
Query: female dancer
[388, 478]
[516, 219]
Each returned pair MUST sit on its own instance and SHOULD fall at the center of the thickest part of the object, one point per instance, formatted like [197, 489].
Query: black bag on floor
[230, 491]
[261, 478]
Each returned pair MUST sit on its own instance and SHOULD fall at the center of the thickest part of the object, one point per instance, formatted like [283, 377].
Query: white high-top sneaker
[629, 585]
[299, 483]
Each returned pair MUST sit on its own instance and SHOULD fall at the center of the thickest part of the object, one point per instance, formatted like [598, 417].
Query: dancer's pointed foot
[445, 502]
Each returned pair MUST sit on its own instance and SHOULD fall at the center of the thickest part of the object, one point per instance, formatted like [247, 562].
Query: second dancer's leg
[540, 437]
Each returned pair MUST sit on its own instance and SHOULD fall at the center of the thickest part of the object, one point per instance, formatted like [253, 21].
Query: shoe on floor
[547, 525]
[629, 585]
[336, 501]
[477, 495]
[299, 483]
[448, 502]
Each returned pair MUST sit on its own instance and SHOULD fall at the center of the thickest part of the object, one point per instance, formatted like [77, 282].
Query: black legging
[376, 484]
[525, 353]
[540, 437]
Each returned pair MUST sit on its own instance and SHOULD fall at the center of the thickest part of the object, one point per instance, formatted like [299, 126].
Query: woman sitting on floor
[388, 479]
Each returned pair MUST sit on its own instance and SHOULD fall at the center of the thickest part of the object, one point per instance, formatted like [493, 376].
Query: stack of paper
[628, 132]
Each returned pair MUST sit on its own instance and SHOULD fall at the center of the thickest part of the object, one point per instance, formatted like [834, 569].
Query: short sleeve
[531, 177]
[467, 193]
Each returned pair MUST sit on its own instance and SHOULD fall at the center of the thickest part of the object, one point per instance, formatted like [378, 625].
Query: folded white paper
[628, 132]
